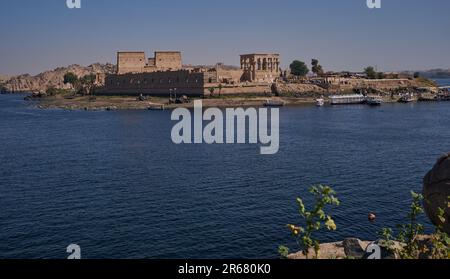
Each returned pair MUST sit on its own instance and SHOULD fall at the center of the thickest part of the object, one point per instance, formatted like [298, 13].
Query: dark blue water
[113, 182]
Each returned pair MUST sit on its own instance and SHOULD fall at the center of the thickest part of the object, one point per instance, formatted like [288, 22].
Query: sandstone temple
[165, 74]
[136, 62]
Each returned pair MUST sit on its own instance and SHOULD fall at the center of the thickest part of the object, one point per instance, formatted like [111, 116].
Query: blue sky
[343, 35]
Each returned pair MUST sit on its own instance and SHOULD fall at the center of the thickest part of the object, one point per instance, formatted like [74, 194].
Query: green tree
[416, 75]
[381, 75]
[88, 83]
[299, 68]
[316, 67]
[72, 79]
[370, 72]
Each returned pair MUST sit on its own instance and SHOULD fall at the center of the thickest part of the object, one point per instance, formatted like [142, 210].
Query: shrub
[314, 221]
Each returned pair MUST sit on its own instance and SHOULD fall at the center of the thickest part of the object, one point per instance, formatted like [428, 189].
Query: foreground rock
[353, 248]
[436, 190]
[350, 248]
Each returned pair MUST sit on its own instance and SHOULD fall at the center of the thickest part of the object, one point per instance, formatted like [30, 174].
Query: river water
[113, 182]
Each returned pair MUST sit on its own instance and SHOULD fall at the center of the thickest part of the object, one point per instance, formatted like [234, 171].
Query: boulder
[436, 190]
[354, 248]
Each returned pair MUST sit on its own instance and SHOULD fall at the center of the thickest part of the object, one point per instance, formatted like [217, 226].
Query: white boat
[320, 102]
[347, 99]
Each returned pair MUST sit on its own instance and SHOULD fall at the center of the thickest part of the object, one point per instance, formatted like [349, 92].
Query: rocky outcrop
[346, 85]
[54, 78]
[353, 248]
[436, 191]
[350, 248]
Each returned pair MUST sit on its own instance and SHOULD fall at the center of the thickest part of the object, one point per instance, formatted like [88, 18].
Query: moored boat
[320, 102]
[347, 99]
[374, 101]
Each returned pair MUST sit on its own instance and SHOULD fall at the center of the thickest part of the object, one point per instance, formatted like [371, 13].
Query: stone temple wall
[131, 62]
[168, 60]
[156, 83]
[136, 62]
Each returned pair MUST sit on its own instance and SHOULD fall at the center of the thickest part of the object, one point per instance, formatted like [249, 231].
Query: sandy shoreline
[132, 103]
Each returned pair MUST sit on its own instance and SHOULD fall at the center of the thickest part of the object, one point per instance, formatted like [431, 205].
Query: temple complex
[165, 74]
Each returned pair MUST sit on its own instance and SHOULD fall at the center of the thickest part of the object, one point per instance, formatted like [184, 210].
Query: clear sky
[38, 35]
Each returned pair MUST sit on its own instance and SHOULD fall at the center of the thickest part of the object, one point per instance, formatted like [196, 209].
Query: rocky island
[138, 82]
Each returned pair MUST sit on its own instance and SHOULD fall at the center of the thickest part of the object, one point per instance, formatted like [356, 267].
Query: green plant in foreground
[408, 235]
[387, 239]
[441, 240]
[314, 220]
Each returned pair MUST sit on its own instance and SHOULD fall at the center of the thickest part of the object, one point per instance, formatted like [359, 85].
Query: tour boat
[347, 99]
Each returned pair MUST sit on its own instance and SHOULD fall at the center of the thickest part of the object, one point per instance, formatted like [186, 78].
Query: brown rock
[333, 250]
[53, 78]
[354, 248]
[436, 190]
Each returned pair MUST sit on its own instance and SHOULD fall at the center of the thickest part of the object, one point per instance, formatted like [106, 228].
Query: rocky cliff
[53, 78]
